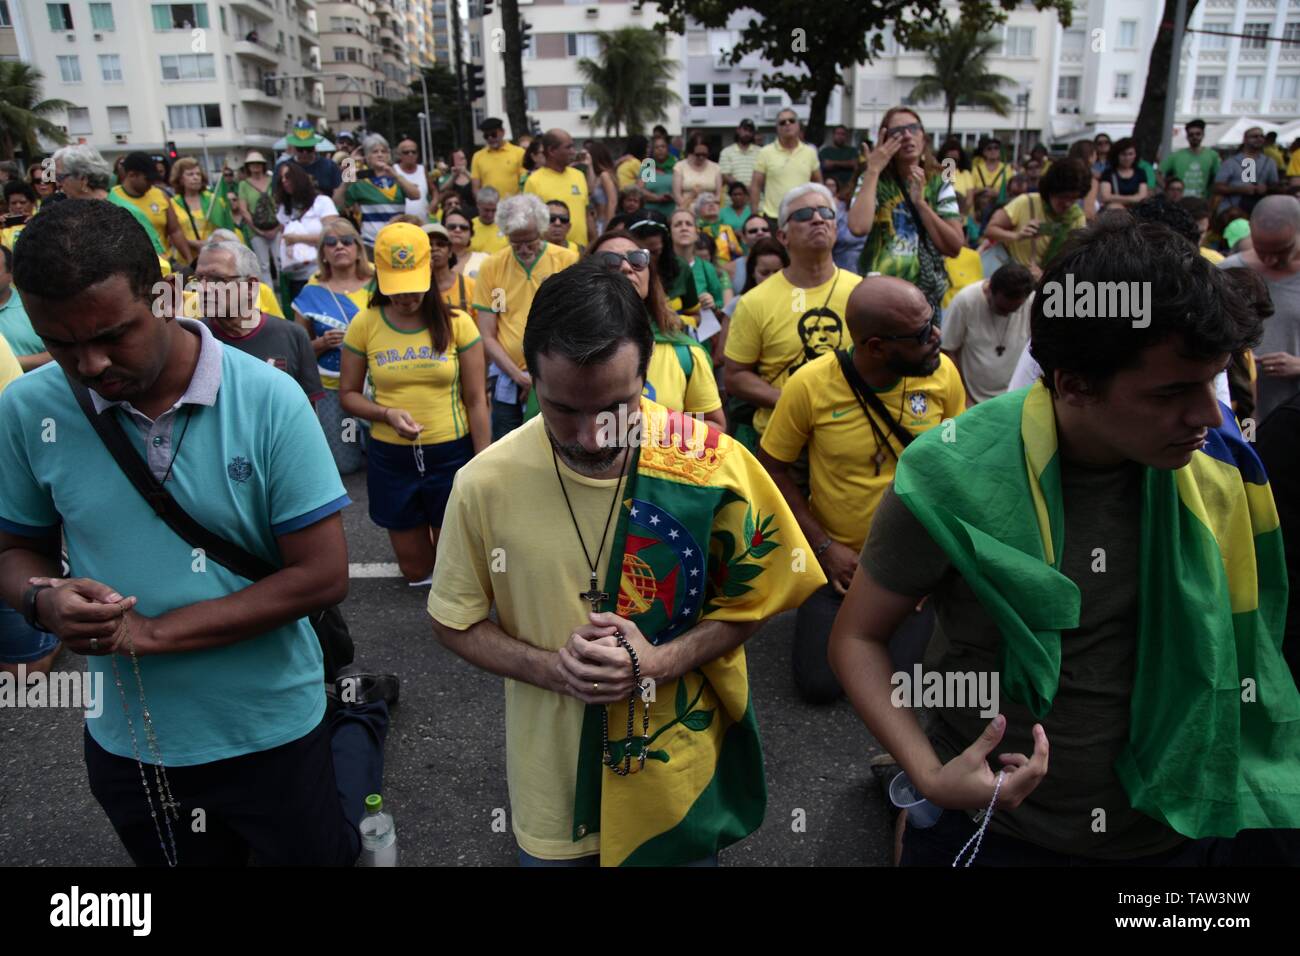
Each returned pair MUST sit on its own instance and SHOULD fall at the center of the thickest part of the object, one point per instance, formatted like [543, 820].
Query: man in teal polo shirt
[229, 672]
[14, 324]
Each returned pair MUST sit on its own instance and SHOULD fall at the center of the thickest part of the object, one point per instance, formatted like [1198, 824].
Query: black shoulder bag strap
[136, 469]
[869, 402]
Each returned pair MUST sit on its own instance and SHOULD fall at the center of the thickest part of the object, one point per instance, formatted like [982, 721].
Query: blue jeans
[20, 643]
[528, 860]
[506, 416]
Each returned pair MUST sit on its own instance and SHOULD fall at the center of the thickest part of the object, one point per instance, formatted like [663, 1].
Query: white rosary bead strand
[978, 838]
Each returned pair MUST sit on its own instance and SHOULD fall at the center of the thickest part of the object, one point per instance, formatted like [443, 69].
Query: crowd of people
[860, 405]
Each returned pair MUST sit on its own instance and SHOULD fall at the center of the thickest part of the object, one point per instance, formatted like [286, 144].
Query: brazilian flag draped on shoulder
[1214, 721]
[703, 534]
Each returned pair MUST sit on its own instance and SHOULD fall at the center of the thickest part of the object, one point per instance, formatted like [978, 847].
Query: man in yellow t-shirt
[559, 180]
[9, 367]
[895, 358]
[794, 316]
[487, 236]
[503, 294]
[499, 164]
[781, 166]
[151, 201]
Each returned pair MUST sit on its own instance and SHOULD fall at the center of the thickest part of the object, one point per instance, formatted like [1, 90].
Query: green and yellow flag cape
[1214, 732]
[703, 533]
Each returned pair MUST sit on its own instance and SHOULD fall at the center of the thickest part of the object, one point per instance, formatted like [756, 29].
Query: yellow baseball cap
[402, 259]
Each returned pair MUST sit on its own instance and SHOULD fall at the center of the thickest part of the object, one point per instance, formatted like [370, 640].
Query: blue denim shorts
[20, 643]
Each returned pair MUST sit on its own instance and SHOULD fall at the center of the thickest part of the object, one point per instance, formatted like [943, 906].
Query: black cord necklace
[592, 595]
[189, 413]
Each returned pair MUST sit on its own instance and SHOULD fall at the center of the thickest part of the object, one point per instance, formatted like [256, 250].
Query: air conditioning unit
[584, 117]
[120, 138]
[71, 37]
[636, 10]
[99, 36]
[593, 12]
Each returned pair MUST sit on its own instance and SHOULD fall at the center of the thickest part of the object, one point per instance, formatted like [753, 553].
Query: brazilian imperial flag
[1214, 732]
[703, 533]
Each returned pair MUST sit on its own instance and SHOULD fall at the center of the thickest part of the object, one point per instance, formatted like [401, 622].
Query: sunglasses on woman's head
[335, 240]
[807, 212]
[638, 259]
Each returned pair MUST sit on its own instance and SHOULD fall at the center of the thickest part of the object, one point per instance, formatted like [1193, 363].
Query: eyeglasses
[556, 217]
[919, 337]
[905, 128]
[760, 231]
[807, 212]
[458, 227]
[335, 240]
[195, 281]
[638, 259]
[788, 121]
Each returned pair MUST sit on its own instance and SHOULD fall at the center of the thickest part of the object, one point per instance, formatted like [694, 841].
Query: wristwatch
[29, 606]
[822, 548]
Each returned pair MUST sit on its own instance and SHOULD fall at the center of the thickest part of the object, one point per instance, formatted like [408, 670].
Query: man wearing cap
[737, 160]
[781, 166]
[1196, 165]
[499, 164]
[558, 179]
[503, 294]
[301, 143]
[150, 201]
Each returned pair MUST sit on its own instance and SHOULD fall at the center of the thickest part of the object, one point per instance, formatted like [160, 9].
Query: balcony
[1286, 107]
[257, 9]
[253, 92]
[257, 50]
[1252, 56]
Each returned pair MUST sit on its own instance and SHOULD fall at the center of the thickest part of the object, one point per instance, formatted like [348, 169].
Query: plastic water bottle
[378, 835]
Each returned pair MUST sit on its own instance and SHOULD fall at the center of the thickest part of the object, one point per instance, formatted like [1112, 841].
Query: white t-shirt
[420, 205]
[299, 259]
[1028, 372]
[988, 344]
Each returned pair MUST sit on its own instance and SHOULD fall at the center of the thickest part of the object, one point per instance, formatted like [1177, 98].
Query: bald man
[559, 180]
[855, 410]
[1275, 256]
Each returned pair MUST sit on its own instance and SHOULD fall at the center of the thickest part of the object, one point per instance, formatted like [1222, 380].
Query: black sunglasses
[555, 217]
[787, 121]
[638, 259]
[920, 337]
[335, 240]
[806, 213]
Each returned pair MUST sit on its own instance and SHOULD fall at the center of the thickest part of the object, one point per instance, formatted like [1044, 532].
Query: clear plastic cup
[921, 813]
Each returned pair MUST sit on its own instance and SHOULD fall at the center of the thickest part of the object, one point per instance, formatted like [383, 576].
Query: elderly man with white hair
[380, 190]
[792, 317]
[226, 279]
[503, 294]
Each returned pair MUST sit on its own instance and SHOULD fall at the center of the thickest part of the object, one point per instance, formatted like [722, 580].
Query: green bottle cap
[374, 803]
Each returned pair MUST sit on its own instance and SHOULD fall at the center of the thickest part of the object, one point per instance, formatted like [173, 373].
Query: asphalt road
[445, 758]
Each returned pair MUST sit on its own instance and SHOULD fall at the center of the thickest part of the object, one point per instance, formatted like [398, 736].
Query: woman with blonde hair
[325, 307]
[906, 209]
[193, 202]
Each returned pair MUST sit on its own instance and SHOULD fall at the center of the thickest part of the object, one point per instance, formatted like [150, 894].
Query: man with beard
[1196, 166]
[737, 160]
[852, 410]
[648, 548]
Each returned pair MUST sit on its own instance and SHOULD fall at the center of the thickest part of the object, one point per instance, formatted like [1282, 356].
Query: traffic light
[525, 34]
[473, 82]
[487, 8]
[172, 153]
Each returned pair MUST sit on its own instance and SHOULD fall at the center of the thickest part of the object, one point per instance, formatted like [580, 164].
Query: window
[1018, 41]
[222, 12]
[697, 43]
[1287, 88]
[1128, 34]
[5, 19]
[230, 70]
[1215, 36]
[699, 94]
[475, 47]
[579, 102]
[582, 44]
[197, 116]
[721, 94]
[348, 54]
[79, 121]
[1122, 83]
[101, 16]
[179, 16]
[189, 66]
[1067, 88]
[1247, 87]
[119, 119]
[110, 67]
[60, 15]
[1256, 36]
[1073, 41]
[748, 99]
[530, 98]
[1291, 36]
[1207, 86]
[69, 69]
[773, 100]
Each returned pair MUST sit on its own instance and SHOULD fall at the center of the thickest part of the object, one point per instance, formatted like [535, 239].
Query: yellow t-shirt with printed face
[818, 409]
[154, 205]
[407, 373]
[667, 384]
[779, 328]
[505, 286]
[570, 188]
[498, 168]
[487, 238]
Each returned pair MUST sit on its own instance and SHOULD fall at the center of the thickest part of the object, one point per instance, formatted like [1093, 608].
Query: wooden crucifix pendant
[597, 598]
[879, 459]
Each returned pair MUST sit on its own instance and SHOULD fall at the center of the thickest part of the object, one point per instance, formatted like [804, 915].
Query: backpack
[264, 212]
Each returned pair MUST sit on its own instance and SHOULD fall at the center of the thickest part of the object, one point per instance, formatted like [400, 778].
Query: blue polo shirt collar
[206, 382]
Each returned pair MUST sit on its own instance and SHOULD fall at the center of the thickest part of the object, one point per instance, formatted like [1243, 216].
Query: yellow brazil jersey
[9, 235]
[1293, 167]
[666, 381]
[498, 168]
[505, 286]
[461, 294]
[487, 238]
[817, 408]
[570, 188]
[407, 373]
[153, 204]
[628, 171]
[194, 222]
[1213, 256]
[9, 367]
[778, 327]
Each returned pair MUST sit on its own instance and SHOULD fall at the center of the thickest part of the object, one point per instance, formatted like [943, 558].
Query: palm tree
[630, 81]
[960, 77]
[23, 114]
